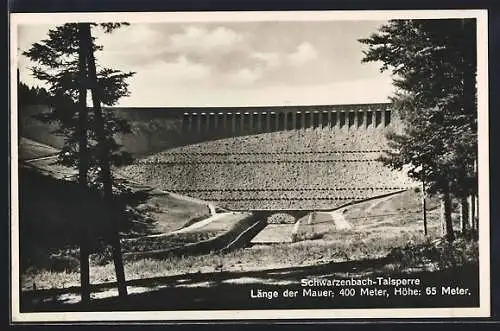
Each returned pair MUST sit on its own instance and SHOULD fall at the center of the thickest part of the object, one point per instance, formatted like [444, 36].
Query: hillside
[30, 149]
[32, 128]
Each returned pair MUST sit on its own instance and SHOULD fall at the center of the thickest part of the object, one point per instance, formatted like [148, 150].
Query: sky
[236, 63]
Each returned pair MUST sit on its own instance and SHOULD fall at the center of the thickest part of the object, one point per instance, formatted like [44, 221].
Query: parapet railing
[194, 121]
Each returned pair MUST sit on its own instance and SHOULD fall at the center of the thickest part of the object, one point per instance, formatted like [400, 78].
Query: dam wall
[157, 129]
[314, 157]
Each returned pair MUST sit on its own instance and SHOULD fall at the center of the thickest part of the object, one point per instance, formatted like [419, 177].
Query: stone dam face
[265, 158]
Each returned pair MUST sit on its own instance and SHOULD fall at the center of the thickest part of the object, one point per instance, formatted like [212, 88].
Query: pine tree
[433, 63]
[58, 66]
[66, 63]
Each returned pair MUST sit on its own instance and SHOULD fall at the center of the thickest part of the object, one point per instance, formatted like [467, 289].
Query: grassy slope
[171, 213]
[30, 149]
[154, 213]
[374, 219]
[33, 129]
[359, 243]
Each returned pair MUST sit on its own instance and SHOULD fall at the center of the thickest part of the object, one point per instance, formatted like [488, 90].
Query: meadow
[384, 230]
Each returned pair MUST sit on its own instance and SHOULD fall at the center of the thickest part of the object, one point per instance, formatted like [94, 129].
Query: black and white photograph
[249, 165]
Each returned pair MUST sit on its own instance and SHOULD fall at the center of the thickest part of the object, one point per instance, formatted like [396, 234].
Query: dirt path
[376, 203]
[41, 158]
[202, 223]
[338, 218]
[275, 233]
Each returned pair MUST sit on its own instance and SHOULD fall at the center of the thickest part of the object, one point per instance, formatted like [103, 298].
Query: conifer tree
[433, 63]
[66, 63]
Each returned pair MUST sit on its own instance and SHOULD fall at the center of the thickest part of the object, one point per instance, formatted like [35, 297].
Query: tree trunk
[83, 161]
[476, 202]
[105, 164]
[476, 212]
[82, 110]
[446, 208]
[442, 216]
[84, 271]
[424, 208]
[464, 214]
[472, 212]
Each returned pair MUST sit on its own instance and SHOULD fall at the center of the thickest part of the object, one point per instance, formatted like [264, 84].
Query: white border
[145, 17]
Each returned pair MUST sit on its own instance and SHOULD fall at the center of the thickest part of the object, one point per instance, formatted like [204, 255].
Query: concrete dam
[265, 158]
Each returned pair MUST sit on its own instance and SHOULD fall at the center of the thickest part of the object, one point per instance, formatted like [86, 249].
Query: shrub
[102, 257]
[63, 263]
[301, 236]
[441, 253]
[281, 218]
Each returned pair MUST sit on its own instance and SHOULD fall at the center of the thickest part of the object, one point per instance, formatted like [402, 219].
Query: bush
[102, 257]
[301, 236]
[61, 263]
[281, 218]
[469, 234]
[441, 253]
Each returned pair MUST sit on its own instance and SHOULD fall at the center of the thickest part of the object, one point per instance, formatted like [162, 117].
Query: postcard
[280, 165]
